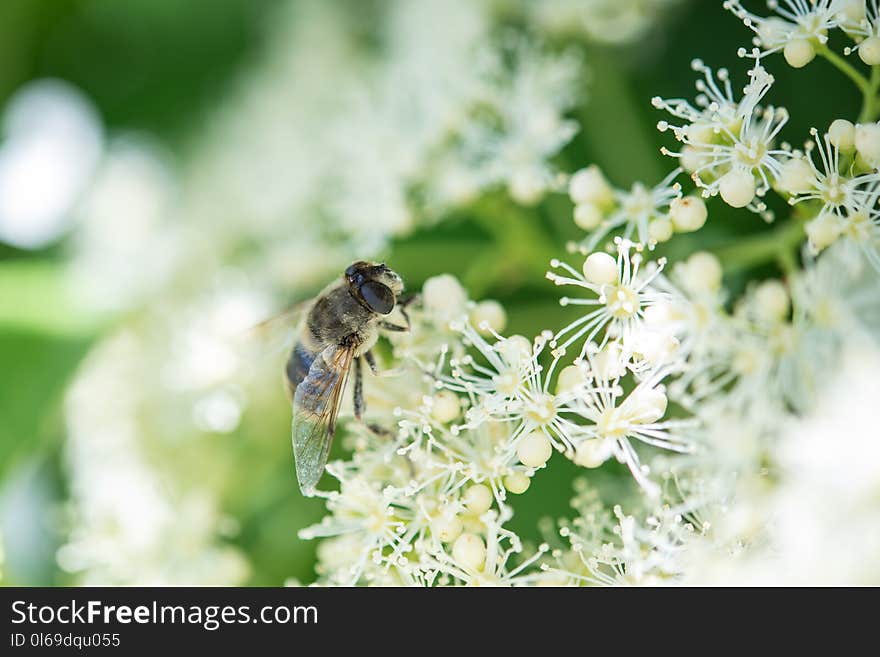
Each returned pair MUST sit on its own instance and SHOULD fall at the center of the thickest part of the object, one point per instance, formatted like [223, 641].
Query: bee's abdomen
[298, 365]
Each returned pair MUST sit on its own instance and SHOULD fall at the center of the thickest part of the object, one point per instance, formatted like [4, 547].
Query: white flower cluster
[291, 181]
[661, 374]
[430, 506]
[730, 142]
[816, 522]
[132, 524]
[649, 215]
[799, 28]
[673, 376]
[661, 368]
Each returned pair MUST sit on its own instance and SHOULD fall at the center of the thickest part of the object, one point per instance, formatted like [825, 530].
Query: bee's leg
[371, 361]
[388, 326]
[358, 389]
[359, 407]
[403, 305]
[407, 301]
[382, 432]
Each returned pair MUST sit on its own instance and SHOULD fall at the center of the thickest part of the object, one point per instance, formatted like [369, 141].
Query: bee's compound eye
[358, 267]
[377, 296]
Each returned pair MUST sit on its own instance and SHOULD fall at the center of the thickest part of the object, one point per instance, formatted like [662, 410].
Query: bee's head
[376, 287]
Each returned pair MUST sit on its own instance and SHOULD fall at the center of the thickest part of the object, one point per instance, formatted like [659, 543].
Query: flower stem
[846, 68]
[777, 245]
[520, 247]
[869, 102]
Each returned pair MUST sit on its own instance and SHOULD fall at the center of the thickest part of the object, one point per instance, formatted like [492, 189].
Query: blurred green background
[162, 68]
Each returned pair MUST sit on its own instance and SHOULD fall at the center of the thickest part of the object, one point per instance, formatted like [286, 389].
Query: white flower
[798, 27]
[862, 227]
[655, 372]
[693, 316]
[793, 528]
[524, 96]
[837, 294]
[863, 24]
[619, 549]
[488, 559]
[511, 386]
[614, 418]
[849, 200]
[835, 188]
[728, 143]
[640, 211]
[385, 525]
[624, 292]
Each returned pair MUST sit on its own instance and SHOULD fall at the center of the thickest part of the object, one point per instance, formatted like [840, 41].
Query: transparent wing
[315, 408]
[277, 334]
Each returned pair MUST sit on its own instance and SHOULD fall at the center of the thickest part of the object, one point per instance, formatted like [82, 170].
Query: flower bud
[692, 158]
[600, 268]
[869, 51]
[447, 529]
[799, 52]
[589, 186]
[660, 230]
[771, 301]
[737, 188]
[867, 142]
[852, 10]
[772, 30]
[688, 213]
[517, 483]
[823, 231]
[514, 349]
[478, 499]
[796, 176]
[470, 551]
[526, 187]
[587, 215]
[569, 378]
[534, 449]
[446, 406]
[492, 314]
[701, 132]
[592, 453]
[610, 363]
[649, 405]
[842, 133]
[444, 297]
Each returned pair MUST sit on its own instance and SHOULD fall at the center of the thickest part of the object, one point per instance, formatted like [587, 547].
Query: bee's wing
[278, 333]
[315, 407]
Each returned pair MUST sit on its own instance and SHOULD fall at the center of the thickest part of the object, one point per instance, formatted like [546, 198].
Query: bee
[341, 326]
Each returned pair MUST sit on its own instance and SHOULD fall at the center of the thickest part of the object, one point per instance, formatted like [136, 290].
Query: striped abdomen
[298, 365]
